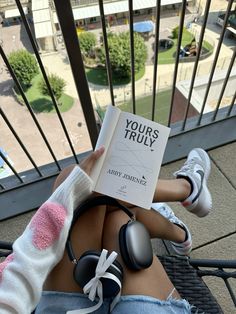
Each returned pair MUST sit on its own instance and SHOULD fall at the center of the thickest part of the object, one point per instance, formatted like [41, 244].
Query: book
[129, 168]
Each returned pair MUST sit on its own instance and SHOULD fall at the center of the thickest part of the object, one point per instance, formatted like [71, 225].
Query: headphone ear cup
[85, 270]
[135, 245]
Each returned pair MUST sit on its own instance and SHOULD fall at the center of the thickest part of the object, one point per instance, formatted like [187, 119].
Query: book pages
[104, 139]
[133, 160]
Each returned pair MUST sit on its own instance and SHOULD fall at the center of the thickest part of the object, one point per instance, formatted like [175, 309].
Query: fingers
[88, 163]
[95, 156]
[97, 153]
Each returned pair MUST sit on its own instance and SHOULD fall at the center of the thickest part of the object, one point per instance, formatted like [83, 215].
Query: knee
[114, 221]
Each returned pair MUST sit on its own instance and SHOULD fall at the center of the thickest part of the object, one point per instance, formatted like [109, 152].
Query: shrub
[175, 32]
[87, 42]
[119, 53]
[57, 85]
[24, 65]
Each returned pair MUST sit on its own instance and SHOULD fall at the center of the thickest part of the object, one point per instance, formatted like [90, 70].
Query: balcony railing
[27, 189]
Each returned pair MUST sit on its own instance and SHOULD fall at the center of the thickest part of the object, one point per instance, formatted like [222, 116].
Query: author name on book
[126, 176]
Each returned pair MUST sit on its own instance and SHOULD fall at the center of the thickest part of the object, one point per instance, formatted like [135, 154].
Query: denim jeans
[53, 302]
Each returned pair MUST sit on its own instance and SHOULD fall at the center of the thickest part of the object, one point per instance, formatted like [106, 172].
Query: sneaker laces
[189, 165]
[169, 214]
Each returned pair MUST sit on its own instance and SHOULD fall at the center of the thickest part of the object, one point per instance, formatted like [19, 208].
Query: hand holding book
[134, 147]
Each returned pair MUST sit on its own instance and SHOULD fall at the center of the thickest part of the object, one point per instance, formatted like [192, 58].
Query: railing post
[66, 20]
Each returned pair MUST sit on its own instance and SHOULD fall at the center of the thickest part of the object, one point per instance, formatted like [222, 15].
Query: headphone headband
[90, 203]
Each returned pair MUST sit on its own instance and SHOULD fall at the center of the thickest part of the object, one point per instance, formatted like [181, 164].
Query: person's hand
[88, 163]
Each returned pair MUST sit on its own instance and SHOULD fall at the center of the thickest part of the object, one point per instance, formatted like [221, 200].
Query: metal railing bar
[105, 42]
[215, 59]
[20, 142]
[39, 179]
[131, 30]
[228, 286]
[11, 167]
[66, 20]
[212, 263]
[35, 48]
[4, 245]
[224, 84]
[181, 24]
[154, 94]
[196, 61]
[231, 105]
[28, 105]
[65, 162]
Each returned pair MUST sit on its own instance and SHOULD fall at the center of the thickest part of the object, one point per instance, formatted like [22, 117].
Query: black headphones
[135, 248]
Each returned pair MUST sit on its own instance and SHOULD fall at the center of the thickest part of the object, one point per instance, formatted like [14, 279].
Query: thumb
[89, 162]
[96, 154]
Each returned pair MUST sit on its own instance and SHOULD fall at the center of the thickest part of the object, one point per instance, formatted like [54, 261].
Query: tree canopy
[24, 65]
[119, 53]
[57, 85]
[87, 42]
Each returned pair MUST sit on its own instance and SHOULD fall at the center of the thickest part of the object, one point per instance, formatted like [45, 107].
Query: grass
[42, 103]
[144, 107]
[99, 77]
[168, 56]
[208, 46]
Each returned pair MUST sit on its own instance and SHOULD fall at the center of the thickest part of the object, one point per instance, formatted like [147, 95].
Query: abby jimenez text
[127, 177]
[140, 133]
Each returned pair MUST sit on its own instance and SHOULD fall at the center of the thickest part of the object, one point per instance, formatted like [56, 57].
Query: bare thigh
[86, 235]
[152, 281]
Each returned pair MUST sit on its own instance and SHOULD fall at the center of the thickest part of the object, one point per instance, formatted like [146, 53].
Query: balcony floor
[214, 237]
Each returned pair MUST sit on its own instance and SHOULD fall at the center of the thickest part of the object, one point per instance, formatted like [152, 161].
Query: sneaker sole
[180, 250]
[205, 195]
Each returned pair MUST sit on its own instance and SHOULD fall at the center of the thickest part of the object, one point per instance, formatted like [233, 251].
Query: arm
[42, 244]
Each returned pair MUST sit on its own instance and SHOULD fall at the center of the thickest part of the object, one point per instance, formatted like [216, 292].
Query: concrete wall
[216, 87]
[46, 43]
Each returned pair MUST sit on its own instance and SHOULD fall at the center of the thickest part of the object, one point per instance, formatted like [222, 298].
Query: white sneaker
[183, 248]
[197, 169]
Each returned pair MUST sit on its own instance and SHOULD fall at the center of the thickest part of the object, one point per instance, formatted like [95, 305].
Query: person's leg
[158, 226]
[172, 190]
[90, 230]
[190, 188]
[86, 235]
[190, 185]
[152, 281]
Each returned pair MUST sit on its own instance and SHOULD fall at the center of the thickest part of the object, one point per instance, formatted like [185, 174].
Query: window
[92, 20]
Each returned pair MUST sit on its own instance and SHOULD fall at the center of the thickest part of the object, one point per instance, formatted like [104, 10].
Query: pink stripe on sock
[4, 264]
[47, 224]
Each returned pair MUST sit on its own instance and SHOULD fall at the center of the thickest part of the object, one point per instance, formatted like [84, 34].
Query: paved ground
[214, 237]
[58, 63]
[14, 37]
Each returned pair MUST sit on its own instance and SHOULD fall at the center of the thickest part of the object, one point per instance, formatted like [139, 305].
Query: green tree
[175, 32]
[57, 85]
[87, 42]
[24, 65]
[119, 53]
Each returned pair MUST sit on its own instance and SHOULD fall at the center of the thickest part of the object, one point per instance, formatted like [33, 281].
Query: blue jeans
[59, 303]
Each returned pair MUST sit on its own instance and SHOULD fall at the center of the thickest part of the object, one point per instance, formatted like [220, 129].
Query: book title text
[140, 133]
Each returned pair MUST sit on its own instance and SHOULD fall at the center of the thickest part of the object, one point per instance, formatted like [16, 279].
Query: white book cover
[134, 148]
